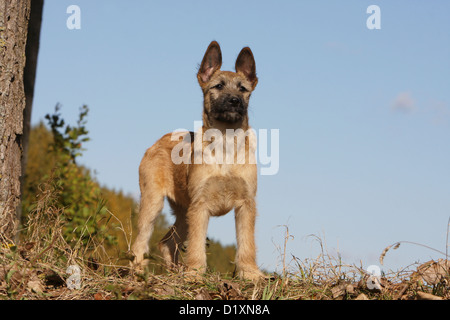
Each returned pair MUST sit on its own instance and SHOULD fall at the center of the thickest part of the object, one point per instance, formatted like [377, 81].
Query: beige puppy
[200, 187]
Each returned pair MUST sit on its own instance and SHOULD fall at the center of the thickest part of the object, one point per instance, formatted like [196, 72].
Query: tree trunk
[14, 15]
[29, 77]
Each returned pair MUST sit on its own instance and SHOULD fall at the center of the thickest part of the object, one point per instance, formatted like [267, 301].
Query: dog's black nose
[234, 101]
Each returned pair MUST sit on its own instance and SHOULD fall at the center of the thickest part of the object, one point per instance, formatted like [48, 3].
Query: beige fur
[198, 191]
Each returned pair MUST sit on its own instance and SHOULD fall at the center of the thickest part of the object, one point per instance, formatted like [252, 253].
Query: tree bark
[14, 16]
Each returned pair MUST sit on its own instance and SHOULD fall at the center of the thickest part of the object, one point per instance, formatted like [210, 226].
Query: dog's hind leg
[150, 207]
[152, 202]
[173, 241]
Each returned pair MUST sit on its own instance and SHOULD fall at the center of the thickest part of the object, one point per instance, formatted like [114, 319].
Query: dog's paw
[138, 266]
[251, 274]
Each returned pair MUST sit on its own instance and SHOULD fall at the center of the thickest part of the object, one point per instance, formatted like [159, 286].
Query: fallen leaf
[203, 294]
[342, 289]
[230, 291]
[164, 290]
[433, 272]
[338, 291]
[98, 296]
[29, 245]
[427, 296]
[361, 296]
[350, 289]
[35, 285]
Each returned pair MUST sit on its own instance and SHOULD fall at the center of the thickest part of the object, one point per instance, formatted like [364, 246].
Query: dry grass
[36, 268]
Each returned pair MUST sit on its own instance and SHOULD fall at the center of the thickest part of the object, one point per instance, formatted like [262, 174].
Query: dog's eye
[243, 89]
[218, 86]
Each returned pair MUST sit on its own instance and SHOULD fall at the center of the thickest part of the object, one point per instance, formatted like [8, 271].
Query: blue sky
[363, 115]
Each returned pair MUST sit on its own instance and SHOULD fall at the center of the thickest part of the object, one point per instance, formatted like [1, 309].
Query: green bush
[79, 195]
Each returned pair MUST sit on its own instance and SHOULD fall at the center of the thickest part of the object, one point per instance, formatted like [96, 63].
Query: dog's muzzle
[230, 109]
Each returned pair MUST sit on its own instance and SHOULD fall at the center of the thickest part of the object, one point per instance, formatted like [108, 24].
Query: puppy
[199, 184]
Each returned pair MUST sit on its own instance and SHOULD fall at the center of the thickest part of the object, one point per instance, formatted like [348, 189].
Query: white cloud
[403, 103]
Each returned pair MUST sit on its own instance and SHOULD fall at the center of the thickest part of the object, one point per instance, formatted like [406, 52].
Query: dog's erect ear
[245, 64]
[212, 61]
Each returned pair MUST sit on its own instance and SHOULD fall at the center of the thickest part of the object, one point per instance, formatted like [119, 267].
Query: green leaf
[9, 275]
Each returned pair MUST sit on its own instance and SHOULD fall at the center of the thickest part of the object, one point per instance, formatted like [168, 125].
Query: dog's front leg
[197, 220]
[245, 216]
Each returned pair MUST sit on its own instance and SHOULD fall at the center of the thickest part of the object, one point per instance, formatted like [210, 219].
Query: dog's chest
[228, 180]
[223, 186]
[223, 193]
